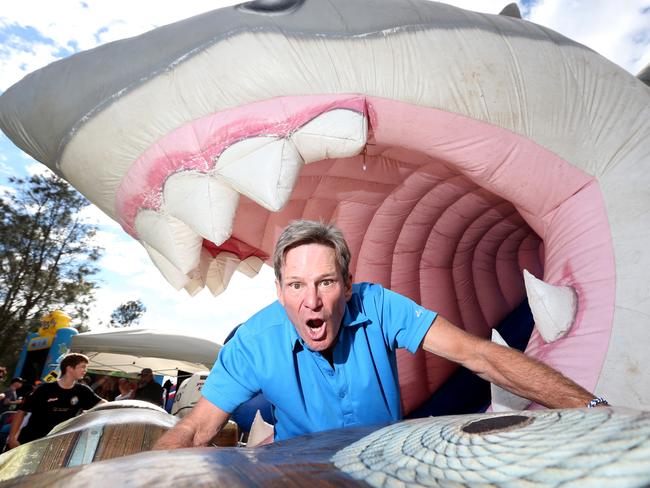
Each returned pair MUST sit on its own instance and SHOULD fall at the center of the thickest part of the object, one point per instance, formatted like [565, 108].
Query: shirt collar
[353, 316]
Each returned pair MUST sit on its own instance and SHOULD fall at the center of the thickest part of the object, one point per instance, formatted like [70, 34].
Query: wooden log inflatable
[572, 447]
[104, 432]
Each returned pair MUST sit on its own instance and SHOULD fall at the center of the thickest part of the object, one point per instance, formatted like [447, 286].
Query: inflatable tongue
[472, 161]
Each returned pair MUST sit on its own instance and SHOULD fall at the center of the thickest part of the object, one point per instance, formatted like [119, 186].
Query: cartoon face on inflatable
[454, 149]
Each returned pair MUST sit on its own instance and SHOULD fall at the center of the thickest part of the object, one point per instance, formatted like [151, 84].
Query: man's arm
[195, 430]
[505, 367]
[7, 401]
[16, 422]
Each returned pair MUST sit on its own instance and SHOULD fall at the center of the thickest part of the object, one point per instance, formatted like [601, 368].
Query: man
[53, 403]
[148, 390]
[126, 389]
[324, 354]
[10, 400]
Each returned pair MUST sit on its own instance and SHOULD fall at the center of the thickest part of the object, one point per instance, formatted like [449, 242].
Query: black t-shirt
[151, 392]
[50, 405]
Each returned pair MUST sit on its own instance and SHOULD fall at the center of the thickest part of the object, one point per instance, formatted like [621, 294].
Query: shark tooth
[250, 266]
[194, 285]
[219, 271]
[554, 307]
[172, 238]
[204, 203]
[264, 169]
[338, 133]
[171, 273]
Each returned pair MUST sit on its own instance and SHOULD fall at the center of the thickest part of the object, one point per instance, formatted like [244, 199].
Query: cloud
[5, 169]
[168, 309]
[36, 168]
[6, 190]
[215, 317]
[21, 59]
[620, 31]
[93, 215]
[35, 33]
[107, 300]
[122, 256]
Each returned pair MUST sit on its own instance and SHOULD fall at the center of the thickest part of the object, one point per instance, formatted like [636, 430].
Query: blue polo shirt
[308, 395]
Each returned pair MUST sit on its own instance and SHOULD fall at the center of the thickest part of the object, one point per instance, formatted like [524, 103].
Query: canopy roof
[130, 350]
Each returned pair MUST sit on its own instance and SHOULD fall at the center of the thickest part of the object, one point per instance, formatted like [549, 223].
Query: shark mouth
[467, 182]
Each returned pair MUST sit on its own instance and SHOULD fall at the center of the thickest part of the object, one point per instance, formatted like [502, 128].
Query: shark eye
[271, 6]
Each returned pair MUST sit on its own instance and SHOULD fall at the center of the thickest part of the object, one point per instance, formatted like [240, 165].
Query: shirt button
[342, 394]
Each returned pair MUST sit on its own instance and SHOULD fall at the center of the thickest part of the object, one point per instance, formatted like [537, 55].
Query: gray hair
[300, 232]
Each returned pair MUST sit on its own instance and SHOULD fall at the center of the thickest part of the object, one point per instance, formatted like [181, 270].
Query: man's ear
[348, 288]
[278, 289]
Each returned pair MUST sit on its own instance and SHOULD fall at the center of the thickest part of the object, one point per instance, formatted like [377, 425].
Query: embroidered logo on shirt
[74, 400]
[418, 312]
[49, 400]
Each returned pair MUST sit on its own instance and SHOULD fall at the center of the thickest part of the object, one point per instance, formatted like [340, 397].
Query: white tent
[130, 350]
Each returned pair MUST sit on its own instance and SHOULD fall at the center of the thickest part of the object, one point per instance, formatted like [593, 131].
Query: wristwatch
[597, 401]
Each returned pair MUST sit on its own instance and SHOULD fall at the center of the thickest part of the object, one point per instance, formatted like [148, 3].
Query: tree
[127, 314]
[47, 258]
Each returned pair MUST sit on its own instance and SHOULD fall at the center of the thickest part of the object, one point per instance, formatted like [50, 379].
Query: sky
[34, 33]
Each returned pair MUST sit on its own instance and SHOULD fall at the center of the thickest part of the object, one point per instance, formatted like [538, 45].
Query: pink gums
[197, 145]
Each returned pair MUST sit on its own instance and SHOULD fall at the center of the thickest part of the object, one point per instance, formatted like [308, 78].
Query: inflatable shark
[549, 448]
[472, 161]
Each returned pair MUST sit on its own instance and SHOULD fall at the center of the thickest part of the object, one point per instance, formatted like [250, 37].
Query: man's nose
[312, 297]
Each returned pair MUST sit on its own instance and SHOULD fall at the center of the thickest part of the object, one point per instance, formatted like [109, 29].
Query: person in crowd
[324, 354]
[11, 399]
[167, 386]
[148, 390]
[108, 389]
[126, 389]
[52, 403]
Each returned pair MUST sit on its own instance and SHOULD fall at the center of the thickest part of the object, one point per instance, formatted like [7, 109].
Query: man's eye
[294, 286]
[327, 282]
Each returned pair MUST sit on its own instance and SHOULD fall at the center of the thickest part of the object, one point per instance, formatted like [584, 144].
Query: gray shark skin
[88, 81]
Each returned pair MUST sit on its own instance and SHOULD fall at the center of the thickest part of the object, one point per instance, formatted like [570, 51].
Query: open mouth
[419, 186]
[449, 175]
[316, 329]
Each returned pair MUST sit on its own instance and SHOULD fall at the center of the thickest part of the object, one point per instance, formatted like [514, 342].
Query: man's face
[313, 292]
[146, 377]
[79, 371]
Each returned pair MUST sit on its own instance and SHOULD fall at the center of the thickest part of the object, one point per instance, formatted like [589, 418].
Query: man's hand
[195, 430]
